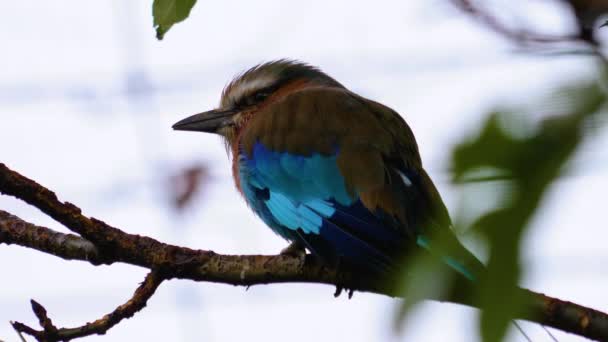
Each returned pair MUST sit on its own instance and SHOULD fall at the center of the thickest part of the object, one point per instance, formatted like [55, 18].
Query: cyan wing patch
[453, 263]
[299, 215]
[302, 190]
[304, 198]
[303, 178]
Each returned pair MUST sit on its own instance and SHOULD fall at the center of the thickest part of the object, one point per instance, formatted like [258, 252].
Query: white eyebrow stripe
[248, 86]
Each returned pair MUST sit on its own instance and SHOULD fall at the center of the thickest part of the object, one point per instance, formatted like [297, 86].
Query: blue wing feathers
[304, 198]
[323, 208]
[360, 219]
[355, 250]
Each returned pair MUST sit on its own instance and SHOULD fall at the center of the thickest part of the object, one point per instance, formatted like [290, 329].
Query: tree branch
[14, 230]
[519, 36]
[100, 243]
[50, 333]
[526, 37]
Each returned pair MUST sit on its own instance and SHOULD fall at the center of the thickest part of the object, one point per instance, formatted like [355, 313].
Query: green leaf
[424, 278]
[533, 156]
[524, 159]
[426, 275]
[166, 13]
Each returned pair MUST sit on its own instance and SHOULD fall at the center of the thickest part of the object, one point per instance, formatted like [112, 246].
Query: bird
[331, 171]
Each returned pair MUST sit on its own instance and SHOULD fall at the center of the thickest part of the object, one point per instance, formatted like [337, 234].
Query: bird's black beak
[209, 122]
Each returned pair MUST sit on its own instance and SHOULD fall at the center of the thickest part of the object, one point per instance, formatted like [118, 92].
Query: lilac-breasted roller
[329, 170]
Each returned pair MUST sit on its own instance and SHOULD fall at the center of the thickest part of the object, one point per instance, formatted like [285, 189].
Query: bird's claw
[295, 249]
[340, 289]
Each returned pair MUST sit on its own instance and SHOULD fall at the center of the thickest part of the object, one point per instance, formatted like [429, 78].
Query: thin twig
[18, 332]
[531, 38]
[51, 333]
[519, 36]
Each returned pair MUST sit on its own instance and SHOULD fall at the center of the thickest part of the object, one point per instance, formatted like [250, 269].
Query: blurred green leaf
[425, 278]
[426, 275]
[527, 157]
[166, 13]
[533, 160]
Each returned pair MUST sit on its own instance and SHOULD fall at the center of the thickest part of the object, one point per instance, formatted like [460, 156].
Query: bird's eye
[260, 96]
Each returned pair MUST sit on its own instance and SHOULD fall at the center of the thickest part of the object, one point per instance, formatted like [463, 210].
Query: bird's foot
[340, 289]
[295, 249]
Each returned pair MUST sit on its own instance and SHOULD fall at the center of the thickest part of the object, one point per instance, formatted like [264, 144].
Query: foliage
[166, 13]
[531, 157]
[534, 162]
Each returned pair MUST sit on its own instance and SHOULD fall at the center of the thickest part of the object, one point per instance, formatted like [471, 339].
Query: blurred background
[88, 97]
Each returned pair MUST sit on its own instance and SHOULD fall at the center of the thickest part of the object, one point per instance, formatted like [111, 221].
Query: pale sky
[88, 97]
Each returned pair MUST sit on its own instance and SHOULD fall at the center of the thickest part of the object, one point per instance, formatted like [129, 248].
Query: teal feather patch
[453, 263]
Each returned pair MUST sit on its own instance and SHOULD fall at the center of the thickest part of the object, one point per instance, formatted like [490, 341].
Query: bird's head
[251, 91]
